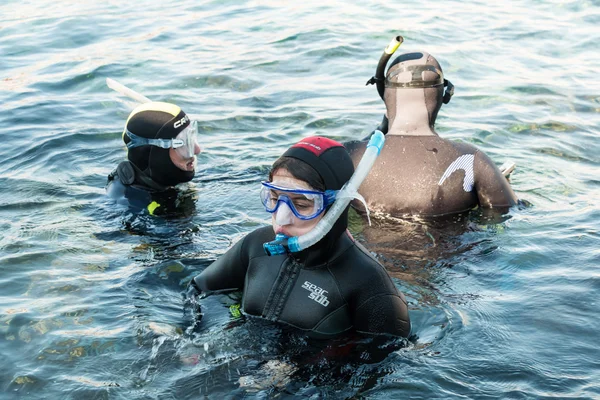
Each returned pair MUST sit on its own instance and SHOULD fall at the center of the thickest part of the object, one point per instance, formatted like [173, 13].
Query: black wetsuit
[333, 287]
[128, 186]
[431, 176]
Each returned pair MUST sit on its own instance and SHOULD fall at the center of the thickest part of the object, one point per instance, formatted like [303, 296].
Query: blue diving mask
[304, 204]
[184, 143]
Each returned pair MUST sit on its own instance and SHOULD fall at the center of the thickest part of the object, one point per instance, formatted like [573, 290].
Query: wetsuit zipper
[282, 289]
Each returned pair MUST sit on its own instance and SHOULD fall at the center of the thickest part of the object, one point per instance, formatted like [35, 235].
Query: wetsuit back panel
[431, 176]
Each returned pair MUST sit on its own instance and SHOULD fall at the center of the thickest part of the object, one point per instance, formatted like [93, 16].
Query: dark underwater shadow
[428, 260]
[251, 357]
[408, 245]
[178, 209]
[422, 254]
[222, 353]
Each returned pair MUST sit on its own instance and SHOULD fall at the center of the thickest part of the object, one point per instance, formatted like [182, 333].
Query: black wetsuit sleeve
[384, 313]
[493, 189]
[228, 272]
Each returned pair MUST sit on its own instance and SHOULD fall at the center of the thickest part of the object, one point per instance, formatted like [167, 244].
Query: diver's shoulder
[358, 268]
[132, 196]
[359, 256]
[464, 148]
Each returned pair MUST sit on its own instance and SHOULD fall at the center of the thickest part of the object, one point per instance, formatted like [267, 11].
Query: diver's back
[420, 175]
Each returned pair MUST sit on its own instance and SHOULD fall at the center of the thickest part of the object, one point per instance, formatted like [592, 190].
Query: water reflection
[426, 258]
[410, 245]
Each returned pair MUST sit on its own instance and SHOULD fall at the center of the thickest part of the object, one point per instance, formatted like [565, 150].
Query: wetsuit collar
[409, 118]
[144, 180]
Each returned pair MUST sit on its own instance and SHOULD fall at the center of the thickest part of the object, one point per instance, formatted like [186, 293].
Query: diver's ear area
[449, 91]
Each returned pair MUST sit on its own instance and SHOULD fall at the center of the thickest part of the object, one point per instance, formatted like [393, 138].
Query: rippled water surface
[92, 297]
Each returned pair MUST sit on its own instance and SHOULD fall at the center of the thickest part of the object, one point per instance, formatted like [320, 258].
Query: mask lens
[305, 204]
[269, 199]
[189, 138]
[415, 76]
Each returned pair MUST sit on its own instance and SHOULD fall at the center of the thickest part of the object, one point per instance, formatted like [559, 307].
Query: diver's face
[183, 163]
[286, 222]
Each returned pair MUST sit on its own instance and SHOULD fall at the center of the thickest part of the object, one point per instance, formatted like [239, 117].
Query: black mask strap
[449, 92]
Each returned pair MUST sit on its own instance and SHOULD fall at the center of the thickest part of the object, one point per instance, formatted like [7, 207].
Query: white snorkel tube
[124, 90]
[284, 244]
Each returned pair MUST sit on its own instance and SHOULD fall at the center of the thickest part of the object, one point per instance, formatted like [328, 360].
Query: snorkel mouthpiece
[283, 244]
[277, 246]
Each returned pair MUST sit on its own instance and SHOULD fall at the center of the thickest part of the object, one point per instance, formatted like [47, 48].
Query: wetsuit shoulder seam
[304, 329]
[337, 285]
[380, 295]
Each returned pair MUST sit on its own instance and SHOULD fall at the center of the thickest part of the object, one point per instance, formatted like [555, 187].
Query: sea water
[93, 296]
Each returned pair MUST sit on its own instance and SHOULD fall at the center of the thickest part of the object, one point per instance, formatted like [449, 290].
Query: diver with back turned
[418, 172]
[161, 154]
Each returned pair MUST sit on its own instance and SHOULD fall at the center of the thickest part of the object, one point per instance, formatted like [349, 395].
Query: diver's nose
[283, 215]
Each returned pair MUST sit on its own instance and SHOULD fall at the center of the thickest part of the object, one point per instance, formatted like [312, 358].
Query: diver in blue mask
[331, 286]
[162, 147]
[418, 172]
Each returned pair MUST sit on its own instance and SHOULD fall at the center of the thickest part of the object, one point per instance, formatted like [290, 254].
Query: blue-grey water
[92, 296]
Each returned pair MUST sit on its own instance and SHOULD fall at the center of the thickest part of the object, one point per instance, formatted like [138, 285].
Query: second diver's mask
[414, 76]
[419, 76]
[184, 143]
[304, 204]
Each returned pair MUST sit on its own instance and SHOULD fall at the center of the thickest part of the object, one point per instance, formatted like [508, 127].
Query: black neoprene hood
[329, 158]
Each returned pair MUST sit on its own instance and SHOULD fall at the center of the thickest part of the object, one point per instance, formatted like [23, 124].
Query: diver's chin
[191, 165]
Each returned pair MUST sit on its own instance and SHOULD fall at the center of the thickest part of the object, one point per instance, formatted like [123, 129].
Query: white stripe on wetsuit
[464, 162]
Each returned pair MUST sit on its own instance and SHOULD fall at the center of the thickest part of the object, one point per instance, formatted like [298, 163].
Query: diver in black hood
[332, 286]
[418, 172]
[161, 153]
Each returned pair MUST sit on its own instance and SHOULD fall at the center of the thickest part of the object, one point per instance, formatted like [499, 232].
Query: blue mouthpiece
[277, 246]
